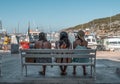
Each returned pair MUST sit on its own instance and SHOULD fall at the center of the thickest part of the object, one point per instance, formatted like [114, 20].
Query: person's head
[64, 39]
[42, 36]
[80, 34]
[63, 35]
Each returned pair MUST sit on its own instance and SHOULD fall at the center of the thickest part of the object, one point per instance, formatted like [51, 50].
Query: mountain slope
[101, 26]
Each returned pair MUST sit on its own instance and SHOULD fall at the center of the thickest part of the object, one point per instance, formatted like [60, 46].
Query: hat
[80, 33]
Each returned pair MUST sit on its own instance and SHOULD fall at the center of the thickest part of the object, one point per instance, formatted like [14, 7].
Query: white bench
[59, 53]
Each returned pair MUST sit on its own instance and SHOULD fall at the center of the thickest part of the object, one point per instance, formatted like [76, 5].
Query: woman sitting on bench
[42, 43]
[63, 43]
[80, 43]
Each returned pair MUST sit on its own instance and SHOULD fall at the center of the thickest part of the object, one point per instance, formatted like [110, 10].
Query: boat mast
[0, 25]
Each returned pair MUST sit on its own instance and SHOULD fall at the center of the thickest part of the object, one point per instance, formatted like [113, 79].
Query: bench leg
[22, 67]
[25, 70]
[94, 72]
[0, 71]
[91, 71]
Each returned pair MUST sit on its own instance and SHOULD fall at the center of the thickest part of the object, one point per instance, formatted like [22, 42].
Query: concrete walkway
[11, 73]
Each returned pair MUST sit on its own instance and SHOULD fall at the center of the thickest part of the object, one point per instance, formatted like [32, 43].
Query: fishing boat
[92, 42]
[91, 38]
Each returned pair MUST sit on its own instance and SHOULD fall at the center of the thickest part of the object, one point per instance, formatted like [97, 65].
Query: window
[118, 42]
[93, 40]
[88, 40]
[114, 42]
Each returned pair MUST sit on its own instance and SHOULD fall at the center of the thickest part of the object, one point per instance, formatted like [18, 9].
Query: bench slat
[59, 55]
[57, 50]
[57, 64]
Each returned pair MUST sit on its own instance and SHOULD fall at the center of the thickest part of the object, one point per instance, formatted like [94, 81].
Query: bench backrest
[58, 53]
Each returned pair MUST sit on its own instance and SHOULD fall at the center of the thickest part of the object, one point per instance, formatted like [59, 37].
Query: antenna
[0, 24]
[18, 27]
[110, 24]
[15, 30]
[28, 28]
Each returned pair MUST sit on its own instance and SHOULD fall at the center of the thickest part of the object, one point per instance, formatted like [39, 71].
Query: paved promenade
[105, 71]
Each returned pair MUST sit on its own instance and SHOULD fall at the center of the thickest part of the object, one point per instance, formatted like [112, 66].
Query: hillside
[102, 26]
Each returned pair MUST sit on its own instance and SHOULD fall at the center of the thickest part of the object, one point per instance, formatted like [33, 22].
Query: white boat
[92, 42]
[112, 43]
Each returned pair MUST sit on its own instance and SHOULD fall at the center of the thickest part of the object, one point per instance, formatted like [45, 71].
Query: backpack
[81, 60]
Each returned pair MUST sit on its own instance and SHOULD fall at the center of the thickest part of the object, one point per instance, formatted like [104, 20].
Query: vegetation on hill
[101, 26]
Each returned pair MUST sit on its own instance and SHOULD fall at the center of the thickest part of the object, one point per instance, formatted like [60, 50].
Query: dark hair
[64, 39]
[42, 36]
[63, 34]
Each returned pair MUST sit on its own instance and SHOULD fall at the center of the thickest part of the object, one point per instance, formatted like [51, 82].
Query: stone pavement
[11, 73]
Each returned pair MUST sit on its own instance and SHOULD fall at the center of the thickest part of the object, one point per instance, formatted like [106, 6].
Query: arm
[56, 45]
[50, 45]
[74, 45]
[70, 46]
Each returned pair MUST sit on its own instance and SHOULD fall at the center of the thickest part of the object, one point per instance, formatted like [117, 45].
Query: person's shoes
[41, 72]
[85, 74]
[63, 73]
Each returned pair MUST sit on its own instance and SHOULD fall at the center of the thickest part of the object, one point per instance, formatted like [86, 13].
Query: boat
[92, 42]
[111, 43]
[91, 38]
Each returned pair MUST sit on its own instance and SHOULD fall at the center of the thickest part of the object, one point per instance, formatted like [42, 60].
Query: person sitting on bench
[80, 43]
[42, 43]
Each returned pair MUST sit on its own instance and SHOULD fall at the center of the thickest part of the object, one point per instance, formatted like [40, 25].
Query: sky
[53, 15]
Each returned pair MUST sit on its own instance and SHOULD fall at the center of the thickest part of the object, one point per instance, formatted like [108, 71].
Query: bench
[58, 53]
